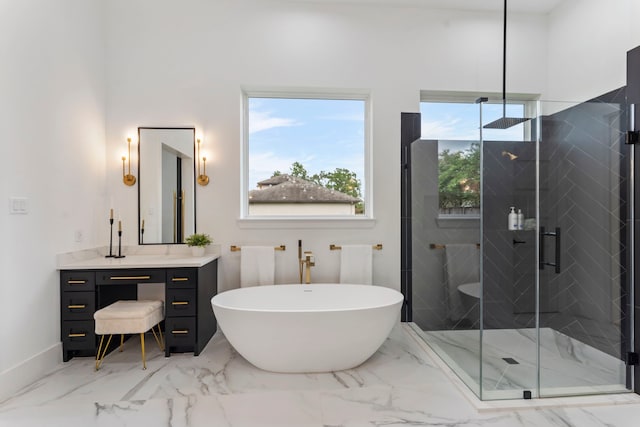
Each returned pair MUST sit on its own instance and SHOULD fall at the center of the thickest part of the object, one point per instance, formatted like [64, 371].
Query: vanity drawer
[79, 335]
[129, 277]
[180, 331]
[181, 302]
[182, 277]
[71, 280]
[77, 305]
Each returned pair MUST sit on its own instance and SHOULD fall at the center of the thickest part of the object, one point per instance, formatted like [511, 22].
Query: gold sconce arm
[127, 178]
[203, 179]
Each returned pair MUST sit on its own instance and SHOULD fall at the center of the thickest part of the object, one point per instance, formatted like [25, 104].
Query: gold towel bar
[333, 247]
[235, 248]
[438, 246]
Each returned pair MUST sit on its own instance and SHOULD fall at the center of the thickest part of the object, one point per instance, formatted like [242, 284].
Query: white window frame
[298, 221]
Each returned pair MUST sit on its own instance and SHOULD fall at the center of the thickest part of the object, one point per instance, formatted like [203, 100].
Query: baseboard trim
[29, 371]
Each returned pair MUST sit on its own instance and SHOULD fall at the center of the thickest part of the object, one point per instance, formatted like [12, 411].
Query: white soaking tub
[307, 328]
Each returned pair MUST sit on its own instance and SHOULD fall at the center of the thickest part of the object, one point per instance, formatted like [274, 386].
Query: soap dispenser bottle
[513, 219]
[520, 220]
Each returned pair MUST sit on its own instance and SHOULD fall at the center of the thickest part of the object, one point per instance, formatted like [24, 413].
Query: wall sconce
[203, 179]
[127, 178]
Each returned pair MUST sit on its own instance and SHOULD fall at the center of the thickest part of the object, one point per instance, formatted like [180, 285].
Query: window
[305, 155]
[456, 127]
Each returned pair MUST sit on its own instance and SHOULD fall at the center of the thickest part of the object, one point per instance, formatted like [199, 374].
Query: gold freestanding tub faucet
[308, 262]
[305, 263]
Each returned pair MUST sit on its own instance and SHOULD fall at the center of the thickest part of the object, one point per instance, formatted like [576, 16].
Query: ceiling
[524, 6]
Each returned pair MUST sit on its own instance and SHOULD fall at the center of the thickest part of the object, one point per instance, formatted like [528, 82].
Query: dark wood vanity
[90, 285]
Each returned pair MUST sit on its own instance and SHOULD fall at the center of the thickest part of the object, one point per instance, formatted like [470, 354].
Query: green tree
[298, 170]
[459, 178]
[340, 179]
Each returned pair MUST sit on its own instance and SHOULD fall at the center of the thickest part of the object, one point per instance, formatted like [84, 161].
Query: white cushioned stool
[128, 317]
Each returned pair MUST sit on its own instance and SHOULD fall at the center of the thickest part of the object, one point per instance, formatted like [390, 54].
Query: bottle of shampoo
[520, 221]
[513, 219]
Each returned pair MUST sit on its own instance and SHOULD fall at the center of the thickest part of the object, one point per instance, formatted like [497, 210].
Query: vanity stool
[128, 317]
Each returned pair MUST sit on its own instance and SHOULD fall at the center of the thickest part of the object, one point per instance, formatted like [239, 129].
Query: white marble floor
[400, 385]
[509, 362]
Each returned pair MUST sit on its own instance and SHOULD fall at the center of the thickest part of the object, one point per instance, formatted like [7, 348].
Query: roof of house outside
[289, 189]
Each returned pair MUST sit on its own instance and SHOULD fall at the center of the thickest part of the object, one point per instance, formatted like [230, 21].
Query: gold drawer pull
[180, 331]
[129, 277]
[180, 303]
[179, 279]
[76, 306]
[77, 335]
[76, 282]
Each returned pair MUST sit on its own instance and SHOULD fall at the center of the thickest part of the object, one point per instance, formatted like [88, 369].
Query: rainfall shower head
[504, 122]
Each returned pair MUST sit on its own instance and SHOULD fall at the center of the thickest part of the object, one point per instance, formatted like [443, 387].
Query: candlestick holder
[142, 236]
[111, 255]
[119, 245]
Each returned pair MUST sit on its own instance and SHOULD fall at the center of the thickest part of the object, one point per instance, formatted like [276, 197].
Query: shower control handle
[541, 256]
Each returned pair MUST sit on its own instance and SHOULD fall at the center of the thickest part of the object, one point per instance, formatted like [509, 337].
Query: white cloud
[450, 128]
[262, 120]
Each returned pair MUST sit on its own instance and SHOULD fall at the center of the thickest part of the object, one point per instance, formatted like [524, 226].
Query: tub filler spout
[305, 263]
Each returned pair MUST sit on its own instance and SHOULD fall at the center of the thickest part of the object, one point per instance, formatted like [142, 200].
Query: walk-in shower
[543, 309]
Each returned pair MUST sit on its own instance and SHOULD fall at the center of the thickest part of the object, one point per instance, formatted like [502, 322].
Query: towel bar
[235, 248]
[440, 246]
[333, 247]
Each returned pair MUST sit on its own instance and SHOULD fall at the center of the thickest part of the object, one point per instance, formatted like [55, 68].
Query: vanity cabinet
[189, 321]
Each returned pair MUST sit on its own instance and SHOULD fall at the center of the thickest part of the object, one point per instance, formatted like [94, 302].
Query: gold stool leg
[121, 342]
[159, 339]
[144, 362]
[102, 351]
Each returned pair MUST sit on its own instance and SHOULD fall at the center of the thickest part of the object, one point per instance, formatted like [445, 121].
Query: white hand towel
[356, 265]
[257, 266]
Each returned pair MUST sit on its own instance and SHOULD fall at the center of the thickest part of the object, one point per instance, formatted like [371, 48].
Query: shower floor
[567, 366]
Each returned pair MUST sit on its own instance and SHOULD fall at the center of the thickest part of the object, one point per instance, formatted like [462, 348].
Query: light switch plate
[18, 205]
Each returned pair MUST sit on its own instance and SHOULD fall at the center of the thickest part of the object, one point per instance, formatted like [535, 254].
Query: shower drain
[510, 361]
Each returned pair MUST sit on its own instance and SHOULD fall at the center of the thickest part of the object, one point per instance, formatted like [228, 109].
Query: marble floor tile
[567, 365]
[400, 385]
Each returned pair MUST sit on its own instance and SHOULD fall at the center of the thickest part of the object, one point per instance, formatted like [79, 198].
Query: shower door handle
[541, 258]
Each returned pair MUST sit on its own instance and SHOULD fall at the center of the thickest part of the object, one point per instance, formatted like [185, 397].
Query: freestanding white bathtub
[307, 328]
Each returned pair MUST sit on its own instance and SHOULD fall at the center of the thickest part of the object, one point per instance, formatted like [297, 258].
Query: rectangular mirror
[166, 185]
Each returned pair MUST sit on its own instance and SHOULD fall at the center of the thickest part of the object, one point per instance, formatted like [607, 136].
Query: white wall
[588, 42]
[52, 126]
[184, 63]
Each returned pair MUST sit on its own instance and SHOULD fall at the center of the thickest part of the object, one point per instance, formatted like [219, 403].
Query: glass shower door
[583, 296]
[509, 363]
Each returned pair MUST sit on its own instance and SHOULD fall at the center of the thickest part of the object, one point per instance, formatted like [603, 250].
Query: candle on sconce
[111, 214]
[119, 225]
[143, 223]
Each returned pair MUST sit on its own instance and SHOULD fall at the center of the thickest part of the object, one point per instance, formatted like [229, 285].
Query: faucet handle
[309, 258]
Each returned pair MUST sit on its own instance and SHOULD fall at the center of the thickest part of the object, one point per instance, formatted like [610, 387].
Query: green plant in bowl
[198, 242]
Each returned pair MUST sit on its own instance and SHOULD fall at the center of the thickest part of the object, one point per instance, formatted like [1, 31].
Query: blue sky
[460, 121]
[322, 134]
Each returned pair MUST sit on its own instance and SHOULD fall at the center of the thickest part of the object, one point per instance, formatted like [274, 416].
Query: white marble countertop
[158, 256]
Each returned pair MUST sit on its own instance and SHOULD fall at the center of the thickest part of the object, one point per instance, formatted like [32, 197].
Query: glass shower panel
[583, 234]
[445, 232]
[509, 333]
